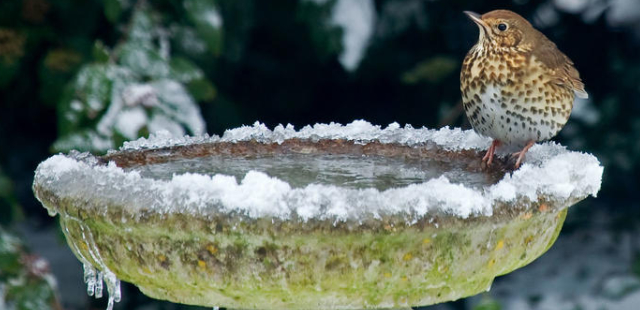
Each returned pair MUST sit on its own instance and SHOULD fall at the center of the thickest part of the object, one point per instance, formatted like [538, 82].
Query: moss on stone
[271, 264]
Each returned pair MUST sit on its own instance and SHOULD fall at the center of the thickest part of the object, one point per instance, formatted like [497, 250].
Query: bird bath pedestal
[328, 217]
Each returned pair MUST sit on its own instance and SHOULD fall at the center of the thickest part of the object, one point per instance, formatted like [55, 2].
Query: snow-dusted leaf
[83, 140]
[26, 282]
[100, 52]
[144, 92]
[89, 95]
[142, 27]
[326, 37]
[130, 121]
[202, 90]
[177, 104]
[144, 60]
[112, 10]
[183, 70]
[134, 109]
[187, 40]
[208, 21]
[160, 122]
[139, 94]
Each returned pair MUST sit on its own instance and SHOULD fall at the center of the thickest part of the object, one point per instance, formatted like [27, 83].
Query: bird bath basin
[330, 216]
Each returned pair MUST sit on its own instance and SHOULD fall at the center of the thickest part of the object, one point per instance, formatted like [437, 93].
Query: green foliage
[24, 278]
[113, 10]
[10, 266]
[11, 52]
[100, 53]
[208, 22]
[57, 67]
[202, 90]
[326, 37]
[136, 88]
[433, 70]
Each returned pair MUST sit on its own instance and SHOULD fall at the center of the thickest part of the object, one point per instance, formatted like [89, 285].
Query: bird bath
[330, 216]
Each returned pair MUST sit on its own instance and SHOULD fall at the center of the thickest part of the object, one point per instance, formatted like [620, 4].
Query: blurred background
[89, 74]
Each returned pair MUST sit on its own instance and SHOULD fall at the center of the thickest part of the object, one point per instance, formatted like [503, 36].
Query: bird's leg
[522, 153]
[488, 157]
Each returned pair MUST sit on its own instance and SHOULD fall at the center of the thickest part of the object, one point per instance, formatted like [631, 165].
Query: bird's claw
[488, 157]
[522, 153]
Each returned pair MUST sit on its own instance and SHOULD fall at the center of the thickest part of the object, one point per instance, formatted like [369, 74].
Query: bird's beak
[476, 18]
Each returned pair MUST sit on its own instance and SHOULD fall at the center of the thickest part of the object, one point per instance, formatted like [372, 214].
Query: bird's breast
[508, 96]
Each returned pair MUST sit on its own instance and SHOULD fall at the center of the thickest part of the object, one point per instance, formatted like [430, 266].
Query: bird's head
[502, 28]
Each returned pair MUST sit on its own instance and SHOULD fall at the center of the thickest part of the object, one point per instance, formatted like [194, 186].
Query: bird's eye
[502, 26]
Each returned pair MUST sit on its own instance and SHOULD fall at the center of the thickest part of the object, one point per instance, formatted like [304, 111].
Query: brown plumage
[517, 87]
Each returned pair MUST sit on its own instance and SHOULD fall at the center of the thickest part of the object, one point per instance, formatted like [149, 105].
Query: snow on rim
[359, 130]
[550, 170]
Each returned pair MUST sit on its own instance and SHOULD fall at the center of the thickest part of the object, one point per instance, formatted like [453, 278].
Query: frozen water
[95, 278]
[89, 278]
[349, 171]
[275, 190]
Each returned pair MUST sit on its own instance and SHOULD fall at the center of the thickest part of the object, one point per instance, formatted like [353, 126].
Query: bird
[517, 87]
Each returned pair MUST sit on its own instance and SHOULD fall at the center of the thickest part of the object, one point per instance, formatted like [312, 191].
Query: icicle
[113, 285]
[116, 293]
[89, 278]
[98, 292]
[96, 278]
[110, 303]
[109, 278]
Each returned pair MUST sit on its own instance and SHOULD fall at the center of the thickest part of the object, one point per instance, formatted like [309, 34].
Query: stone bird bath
[327, 217]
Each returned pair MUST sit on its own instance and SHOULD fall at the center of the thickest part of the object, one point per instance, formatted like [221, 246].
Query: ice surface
[549, 170]
[300, 170]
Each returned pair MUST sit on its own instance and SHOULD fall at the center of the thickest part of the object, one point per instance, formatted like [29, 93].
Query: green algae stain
[246, 268]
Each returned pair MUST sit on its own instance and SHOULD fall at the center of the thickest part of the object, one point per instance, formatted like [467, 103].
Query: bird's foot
[521, 153]
[488, 157]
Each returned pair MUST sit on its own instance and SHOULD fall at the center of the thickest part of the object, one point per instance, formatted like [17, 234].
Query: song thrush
[517, 87]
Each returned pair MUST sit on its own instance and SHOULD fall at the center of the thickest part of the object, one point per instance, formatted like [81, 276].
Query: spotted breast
[517, 87]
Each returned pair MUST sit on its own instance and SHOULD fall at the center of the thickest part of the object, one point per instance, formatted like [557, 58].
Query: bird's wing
[562, 69]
